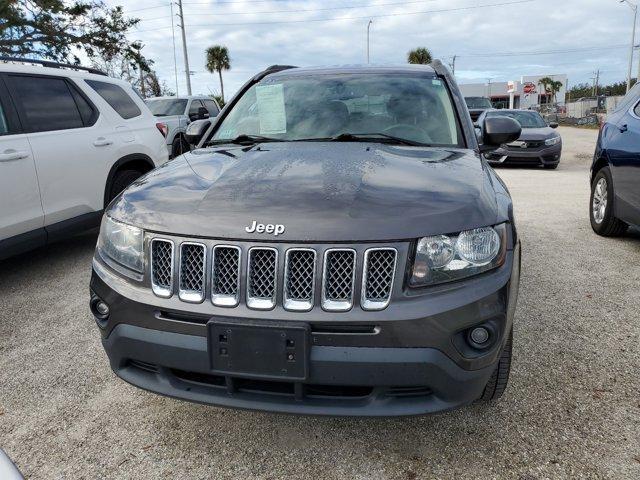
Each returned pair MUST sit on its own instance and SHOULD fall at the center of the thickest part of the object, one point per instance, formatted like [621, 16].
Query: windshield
[409, 107]
[167, 106]
[526, 119]
[477, 102]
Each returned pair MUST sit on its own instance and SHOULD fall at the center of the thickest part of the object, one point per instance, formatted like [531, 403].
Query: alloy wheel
[599, 202]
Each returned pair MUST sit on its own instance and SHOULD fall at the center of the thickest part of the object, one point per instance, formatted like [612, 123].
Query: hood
[165, 118]
[537, 133]
[319, 191]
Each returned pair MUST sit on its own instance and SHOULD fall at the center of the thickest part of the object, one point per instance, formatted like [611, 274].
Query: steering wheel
[403, 128]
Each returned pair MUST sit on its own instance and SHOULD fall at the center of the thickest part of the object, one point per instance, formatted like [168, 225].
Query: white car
[71, 139]
[177, 113]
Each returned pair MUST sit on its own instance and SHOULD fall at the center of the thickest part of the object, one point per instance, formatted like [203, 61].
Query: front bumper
[403, 365]
[525, 156]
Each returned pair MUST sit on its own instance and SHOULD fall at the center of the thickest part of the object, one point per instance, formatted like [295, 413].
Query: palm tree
[420, 56]
[218, 60]
[550, 86]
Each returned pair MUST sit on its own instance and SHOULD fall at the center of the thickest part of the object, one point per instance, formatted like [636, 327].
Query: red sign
[529, 88]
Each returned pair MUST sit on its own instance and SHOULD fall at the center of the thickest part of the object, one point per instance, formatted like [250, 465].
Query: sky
[497, 39]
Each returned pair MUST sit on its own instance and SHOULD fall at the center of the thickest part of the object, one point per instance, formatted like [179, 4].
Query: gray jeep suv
[335, 245]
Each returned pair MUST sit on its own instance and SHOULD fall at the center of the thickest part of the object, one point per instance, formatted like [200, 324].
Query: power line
[166, 4]
[383, 15]
[262, 12]
[540, 52]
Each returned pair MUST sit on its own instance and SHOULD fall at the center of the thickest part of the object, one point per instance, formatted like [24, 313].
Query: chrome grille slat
[299, 279]
[182, 265]
[193, 259]
[262, 276]
[225, 276]
[162, 267]
[338, 279]
[377, 278]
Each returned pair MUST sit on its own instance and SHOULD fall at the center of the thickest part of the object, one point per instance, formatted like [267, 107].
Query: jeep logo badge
[274, 229]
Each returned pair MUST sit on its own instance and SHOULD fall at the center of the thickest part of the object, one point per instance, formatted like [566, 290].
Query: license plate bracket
[267, 350]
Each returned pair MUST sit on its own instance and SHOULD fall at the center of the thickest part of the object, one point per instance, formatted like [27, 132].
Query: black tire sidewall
[179, 146]
[608, 215]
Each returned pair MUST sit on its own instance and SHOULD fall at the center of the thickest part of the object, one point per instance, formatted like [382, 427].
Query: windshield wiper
[244, 139]
[355, 137]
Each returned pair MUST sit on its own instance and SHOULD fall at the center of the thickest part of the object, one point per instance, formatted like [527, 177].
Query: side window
[88, 112]
[629, 98]
[636, 110]
[116, 97]
[46, 103]
[195, 105]
[210, 105]
[4, 128]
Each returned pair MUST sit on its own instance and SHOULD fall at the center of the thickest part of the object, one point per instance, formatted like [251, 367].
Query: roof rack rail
[50, 64]
[271, 69]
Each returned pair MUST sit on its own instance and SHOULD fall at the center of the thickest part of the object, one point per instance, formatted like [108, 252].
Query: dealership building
[524, 93]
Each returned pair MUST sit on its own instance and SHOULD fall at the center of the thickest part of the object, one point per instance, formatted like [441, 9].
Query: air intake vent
[193, 258]
[338, 279]
[225, 282]
[162, 267]
[262, 278]
[299, 279]
[377, 281]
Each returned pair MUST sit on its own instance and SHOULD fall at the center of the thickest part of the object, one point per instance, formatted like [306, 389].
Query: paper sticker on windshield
[271, 110]
[437, 83]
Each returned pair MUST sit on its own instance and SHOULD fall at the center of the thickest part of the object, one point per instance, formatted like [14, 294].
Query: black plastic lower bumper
[510, 156]
[343, 380]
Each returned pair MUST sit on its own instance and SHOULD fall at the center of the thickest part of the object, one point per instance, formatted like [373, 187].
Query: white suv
[71, 139]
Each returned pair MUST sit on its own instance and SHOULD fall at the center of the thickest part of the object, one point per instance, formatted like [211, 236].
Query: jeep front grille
[338, 279]
[299, 279]
[193, 260]
[377, 280]
[262, 278]
[225, 276]
[162, 267]
[305, 274]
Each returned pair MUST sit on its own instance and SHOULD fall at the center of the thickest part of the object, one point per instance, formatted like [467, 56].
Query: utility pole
[633, 7]
[489, 88]
[453, 65]
[596, 83]
[175, 63]
[184, 48]
[368, 26]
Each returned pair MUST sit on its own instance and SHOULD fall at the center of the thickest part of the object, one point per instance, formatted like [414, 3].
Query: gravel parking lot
[572, 408]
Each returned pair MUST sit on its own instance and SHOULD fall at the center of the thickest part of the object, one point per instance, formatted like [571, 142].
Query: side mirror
[553, 124]
[497, 131]
[196, 130]
[202, 113]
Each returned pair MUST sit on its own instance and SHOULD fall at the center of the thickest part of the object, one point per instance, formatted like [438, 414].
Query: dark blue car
[615, 173]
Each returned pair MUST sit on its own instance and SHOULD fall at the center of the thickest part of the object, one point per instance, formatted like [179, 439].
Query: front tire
[499, 379]
[551, 166]
[601, 206]
[179, 146]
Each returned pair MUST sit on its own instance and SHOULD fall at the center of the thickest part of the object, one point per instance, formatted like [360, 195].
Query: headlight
[552, 141]
[121, 243]
[444, 258]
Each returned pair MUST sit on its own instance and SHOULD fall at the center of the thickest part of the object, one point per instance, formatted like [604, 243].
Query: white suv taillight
[162, 127]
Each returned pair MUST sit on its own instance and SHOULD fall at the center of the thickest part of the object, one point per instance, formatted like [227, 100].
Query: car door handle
[623, 128]
[10, 155]
[102, 142]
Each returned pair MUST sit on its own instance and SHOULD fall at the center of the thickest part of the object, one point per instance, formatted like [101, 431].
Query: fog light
[479, 335]
[102, 308]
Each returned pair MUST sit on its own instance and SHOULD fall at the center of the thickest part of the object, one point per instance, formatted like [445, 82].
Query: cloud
[471, 34]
